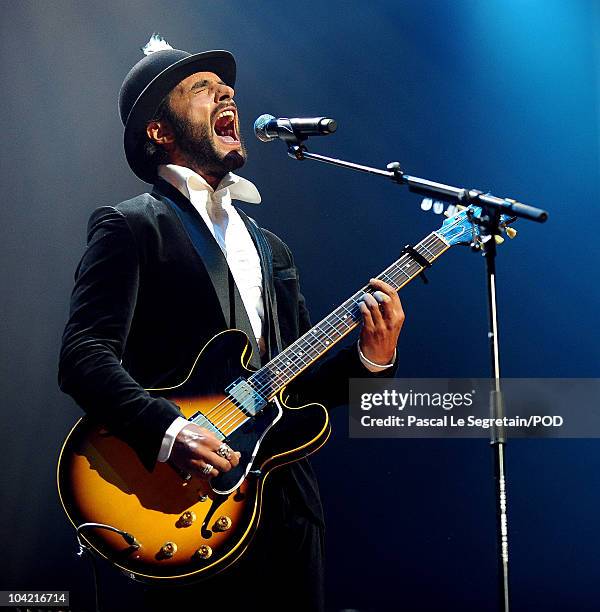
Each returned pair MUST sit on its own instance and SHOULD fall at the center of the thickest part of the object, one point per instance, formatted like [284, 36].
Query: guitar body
[186, 530]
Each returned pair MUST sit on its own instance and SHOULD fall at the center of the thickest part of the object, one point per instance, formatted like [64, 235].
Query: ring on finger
[207, 469]
[224, 451]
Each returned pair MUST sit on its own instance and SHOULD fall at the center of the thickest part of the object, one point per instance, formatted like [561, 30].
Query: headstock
[462, 227]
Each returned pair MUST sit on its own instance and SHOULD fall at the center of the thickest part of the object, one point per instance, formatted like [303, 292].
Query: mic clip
[296, 150]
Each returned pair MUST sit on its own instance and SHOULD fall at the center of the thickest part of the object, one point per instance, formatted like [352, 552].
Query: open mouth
[225, 127]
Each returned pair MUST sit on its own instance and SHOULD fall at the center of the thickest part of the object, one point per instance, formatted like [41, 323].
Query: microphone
[268, 128]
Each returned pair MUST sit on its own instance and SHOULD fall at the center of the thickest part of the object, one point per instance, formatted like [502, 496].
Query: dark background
[500, 95]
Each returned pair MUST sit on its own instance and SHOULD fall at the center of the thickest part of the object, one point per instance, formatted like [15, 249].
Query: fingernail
[381, 297]
[367, 298]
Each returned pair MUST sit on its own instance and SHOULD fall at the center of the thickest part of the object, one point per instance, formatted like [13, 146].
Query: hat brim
[222, 63]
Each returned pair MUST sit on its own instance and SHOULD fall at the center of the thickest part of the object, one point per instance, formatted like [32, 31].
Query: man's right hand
[196, 447]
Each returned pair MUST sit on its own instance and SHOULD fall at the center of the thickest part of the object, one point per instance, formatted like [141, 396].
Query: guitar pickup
[245, 396]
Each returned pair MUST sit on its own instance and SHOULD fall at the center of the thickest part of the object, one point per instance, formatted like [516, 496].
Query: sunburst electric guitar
[158, 526]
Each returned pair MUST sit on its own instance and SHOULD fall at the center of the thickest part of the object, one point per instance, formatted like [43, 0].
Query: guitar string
[337, 322]
[227, 421]
[217, 412]
[394, 272]
[391, 272]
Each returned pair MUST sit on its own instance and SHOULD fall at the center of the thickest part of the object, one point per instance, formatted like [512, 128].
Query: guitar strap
[266, 257]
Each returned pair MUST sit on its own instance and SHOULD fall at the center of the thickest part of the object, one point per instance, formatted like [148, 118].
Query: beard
[196, 144]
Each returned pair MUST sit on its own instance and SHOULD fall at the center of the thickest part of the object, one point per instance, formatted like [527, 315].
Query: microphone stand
[437, 191]
[492, 209]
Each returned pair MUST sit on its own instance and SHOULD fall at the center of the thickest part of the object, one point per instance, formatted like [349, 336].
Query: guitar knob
[223, 523]
[168, 549]
[186, 519]
[511, 232]
[204, 552]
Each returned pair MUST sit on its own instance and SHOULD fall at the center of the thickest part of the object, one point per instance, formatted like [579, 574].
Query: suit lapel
[271, 325]
[204, 244]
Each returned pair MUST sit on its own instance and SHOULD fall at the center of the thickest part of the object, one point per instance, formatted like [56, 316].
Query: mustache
[223, 106]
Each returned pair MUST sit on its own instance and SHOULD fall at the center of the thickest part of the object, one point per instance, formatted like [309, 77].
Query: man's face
[205, 123]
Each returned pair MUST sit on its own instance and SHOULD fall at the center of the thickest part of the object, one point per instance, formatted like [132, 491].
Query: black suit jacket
[147, 298]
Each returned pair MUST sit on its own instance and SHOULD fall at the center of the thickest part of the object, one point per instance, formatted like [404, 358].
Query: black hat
[150, 80]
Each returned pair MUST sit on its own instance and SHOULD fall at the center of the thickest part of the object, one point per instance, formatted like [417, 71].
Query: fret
[300, 353]
[332, 327]
[291, 368]
[348, 312]
[355, 299]
[436, 244]
[304, 346]
[425, 252]
[426, 249]
[430, 248]
[316, 328]
[389, 280]
[343, 320]
[341, 332]
[405, 273]
[310, 351]
[403, 266]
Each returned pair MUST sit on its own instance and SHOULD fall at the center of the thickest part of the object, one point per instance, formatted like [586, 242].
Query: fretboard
[288, 364]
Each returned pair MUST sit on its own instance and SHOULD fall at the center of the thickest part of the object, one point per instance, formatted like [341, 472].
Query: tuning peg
[498, 239]
[438, 207]
[511, 232]
[426, 204]
[450, 211]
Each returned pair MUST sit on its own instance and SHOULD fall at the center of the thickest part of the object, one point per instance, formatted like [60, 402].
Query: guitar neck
[288, 364]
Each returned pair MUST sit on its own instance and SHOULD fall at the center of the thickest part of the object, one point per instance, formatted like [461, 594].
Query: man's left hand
[383, 318]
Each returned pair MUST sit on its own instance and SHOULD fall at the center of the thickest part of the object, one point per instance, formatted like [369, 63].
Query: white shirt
[232, 236]
[228, 229]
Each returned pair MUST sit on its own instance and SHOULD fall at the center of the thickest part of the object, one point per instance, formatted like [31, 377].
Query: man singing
[166, 271]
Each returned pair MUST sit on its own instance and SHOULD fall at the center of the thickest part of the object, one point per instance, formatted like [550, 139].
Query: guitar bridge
[245, 396]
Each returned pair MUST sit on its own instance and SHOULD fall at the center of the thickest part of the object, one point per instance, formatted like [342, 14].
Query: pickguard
[246, 440]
